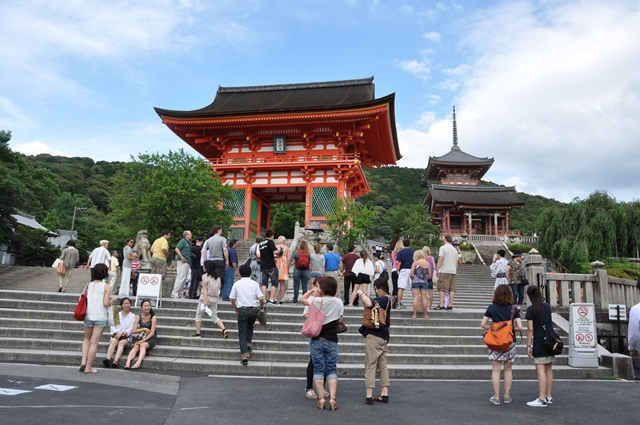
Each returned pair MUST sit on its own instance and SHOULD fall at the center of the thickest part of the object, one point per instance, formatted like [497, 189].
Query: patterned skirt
[503, 356]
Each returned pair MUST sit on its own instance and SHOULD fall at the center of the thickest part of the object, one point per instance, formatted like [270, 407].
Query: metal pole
[73, 221]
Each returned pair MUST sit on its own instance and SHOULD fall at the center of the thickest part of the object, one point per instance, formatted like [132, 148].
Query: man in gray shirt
[215, 249]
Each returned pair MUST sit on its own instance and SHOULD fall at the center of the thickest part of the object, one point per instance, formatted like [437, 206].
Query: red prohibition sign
[579, 337]
[588, 337]
[154, 281]
[583, 311]
[144, 280]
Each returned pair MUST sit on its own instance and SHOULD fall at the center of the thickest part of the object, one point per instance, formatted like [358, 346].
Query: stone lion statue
[142, 246]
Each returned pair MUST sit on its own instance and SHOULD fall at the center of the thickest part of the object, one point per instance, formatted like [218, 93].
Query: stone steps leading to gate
[38, 327]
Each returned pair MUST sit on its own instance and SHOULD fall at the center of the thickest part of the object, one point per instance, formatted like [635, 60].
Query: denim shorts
[270, 275]
[422, 285]
[324, 355]
[91, 323]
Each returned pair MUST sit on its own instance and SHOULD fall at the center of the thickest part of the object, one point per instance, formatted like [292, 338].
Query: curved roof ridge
[457, 155]
[297, 86]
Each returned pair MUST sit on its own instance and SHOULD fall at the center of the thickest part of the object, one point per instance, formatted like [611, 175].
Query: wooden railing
[282, 159]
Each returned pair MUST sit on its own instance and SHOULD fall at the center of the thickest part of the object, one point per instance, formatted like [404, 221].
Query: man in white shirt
[100, 255]
[245, 298]
[446, 269]
[633, 337]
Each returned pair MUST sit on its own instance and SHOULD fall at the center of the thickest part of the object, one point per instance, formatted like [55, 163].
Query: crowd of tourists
[263, 278]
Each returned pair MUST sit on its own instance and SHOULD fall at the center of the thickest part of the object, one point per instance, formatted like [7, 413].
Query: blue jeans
[300, 275]
[246, 318]
[230, 274]
[518, 293]
[324, 355]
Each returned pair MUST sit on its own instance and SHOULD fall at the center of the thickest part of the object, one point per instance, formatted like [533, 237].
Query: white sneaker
[549, 400]
[175, 297]
[537, 403]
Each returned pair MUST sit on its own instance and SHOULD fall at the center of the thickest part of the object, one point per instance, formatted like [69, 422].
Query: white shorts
[404, 280]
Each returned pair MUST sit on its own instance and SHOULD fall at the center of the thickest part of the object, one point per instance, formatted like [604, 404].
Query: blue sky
[550, 89]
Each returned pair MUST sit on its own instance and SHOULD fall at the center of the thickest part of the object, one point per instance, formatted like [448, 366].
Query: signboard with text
[583, 341]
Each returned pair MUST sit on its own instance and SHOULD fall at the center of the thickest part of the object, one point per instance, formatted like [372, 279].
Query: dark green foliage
[35, 250]
[284, 217]
[394, 186]
[623, 269]
[525, 218]
[466, 247]
[596, 228]
[350, 222]
[522, 247]
[175, 191]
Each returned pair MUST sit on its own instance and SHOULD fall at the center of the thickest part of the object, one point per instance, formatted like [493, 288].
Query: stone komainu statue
[142, 246]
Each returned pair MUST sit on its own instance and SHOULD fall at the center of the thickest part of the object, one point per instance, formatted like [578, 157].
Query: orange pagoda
[290, 143]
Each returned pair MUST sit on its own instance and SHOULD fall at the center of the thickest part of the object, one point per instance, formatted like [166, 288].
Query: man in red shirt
[346, 264]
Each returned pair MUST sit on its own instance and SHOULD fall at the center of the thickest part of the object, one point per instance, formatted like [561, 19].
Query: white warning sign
[584, 326]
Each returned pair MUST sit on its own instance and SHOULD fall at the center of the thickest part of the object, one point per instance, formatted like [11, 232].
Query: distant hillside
[395, 186]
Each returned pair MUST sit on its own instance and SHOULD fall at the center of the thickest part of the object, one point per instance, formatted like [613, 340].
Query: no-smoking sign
[583, 311]
[144, 280]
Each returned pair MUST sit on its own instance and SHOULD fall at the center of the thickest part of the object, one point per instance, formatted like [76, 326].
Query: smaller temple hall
[458, 204]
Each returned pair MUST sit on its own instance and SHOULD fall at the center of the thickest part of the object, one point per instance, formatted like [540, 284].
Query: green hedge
[623, 269]
[522, 247]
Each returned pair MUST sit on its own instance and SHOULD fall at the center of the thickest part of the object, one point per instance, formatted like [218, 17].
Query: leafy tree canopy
[175, 191]
[350, 222]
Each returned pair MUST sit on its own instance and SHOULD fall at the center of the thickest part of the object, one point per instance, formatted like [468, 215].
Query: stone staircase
[488, 249]
[37, 325]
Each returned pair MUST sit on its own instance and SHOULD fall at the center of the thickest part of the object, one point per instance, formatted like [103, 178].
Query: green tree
[411, 221]
[175, 191]
[284, 217]
[350, 222]
[595, 228]
[35, 249]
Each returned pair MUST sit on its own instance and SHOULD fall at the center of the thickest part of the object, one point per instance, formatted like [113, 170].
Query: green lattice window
[234, 204]
[323, 200]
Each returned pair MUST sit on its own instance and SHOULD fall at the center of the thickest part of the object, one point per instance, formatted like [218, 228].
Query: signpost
[149, 286]
[583, 347]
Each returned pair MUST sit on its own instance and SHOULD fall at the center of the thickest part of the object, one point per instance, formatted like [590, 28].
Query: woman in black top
[375, 358]
[539, 316]
[145, 323]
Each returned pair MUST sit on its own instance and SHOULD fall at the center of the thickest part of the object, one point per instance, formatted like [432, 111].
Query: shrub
[623, 269]
[466, 247]
[522, 247]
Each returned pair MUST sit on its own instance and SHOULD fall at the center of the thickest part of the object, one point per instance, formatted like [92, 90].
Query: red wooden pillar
[506, 230]
[248, 192]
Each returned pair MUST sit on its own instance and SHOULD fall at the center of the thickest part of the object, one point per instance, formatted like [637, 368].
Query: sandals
[82, 368]
[382, 399]
[368, 400]
[321, 403]
[114, 365]
[311, 395]
[225, 334]
[126, 367]
[333, 404]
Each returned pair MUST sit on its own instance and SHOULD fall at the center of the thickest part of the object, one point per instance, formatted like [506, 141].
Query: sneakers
[440, 308]
[537, 403]
[549, 400]
[198, 336]
[448, 308]
[175, 297]
[507, 400]
[245, 362]
[225, 333]
[494, 400]
[272, 302]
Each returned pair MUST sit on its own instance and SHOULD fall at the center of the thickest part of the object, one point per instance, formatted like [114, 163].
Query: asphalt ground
[139, 398]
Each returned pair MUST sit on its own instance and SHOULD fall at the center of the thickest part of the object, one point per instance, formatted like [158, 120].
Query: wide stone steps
[37, 326]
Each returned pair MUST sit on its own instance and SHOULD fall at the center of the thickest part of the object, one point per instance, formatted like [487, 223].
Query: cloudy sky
[548, 88]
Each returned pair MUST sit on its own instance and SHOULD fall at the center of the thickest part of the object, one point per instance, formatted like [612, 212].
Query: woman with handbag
[144, 332]
[121, 335]
[538, 318]
[324, 347]
[375, 357]
[308, 391]
[364, 270]
[502, 309]
[98, 299]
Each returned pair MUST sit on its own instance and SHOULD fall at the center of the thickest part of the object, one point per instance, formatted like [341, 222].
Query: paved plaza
[60, 394]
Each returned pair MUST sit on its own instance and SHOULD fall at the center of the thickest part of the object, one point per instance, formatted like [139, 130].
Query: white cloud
[37, 147]
[434, 99]
[432, 36]
[552, 93]
[417, 68]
